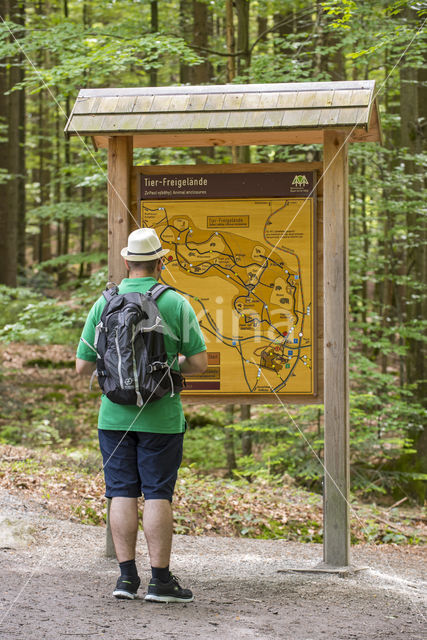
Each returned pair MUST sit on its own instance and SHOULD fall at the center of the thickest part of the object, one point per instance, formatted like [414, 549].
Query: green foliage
[44, 322]
[87, 514]
[39, 433]
[375, 533]
[65, 211]
[74, 259]
[99, 51]
[342, 12]
[14, 299]
[382, 422]
[28, 316]
[204, 448]
[89, 289]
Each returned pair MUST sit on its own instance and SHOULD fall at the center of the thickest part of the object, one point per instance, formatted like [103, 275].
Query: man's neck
[141, 274]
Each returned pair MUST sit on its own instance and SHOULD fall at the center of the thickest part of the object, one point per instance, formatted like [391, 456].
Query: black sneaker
[126, 588]
[171, 591]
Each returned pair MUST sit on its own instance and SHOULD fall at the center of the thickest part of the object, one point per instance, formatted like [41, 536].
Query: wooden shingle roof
[288, 113]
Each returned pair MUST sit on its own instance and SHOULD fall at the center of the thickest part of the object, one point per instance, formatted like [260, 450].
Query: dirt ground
[56, 583]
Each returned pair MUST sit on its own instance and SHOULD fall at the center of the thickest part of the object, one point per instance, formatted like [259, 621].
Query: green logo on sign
[299, 181]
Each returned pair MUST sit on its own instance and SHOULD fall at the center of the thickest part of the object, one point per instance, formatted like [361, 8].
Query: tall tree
[244, 58]
[154, 27]
[412, 140]
[8, 219]
[185, 24]
[17, 137]
[200, 74]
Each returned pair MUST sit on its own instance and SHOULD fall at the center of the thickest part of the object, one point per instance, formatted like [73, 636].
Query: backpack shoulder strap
[109, 293]
[157, 289]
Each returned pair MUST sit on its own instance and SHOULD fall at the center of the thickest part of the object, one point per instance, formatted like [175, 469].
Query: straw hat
[143, 245]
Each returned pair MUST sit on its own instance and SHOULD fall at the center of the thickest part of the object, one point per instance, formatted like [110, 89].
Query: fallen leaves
[69, 482]
[74, 489]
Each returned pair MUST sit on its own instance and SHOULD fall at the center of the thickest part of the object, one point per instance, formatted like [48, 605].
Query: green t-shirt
[182, 335]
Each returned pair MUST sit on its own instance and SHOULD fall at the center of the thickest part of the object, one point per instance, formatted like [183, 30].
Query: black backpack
[132, 364]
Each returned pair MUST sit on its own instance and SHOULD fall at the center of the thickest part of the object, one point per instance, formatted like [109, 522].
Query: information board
[242, 250]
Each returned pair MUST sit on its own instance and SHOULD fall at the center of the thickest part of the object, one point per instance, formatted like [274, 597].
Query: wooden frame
[332, 270]
[332, 297]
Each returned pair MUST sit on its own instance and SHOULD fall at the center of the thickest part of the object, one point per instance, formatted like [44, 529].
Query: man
[142, 447]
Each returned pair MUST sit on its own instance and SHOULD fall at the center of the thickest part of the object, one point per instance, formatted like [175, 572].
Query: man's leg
[160, 457]
[158, 529]
[124, 527]
[123, 485]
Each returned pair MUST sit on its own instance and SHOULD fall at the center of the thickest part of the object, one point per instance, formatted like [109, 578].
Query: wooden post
[120, 150]
[336, 545]
[120, 162]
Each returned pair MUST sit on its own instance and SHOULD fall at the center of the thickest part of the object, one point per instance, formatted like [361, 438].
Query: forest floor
[49, 409]
[57, 583]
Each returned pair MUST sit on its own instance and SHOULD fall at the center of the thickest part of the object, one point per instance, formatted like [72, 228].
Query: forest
[53, 231]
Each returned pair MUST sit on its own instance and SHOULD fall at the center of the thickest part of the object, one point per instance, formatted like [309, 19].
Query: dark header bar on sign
[227, 185]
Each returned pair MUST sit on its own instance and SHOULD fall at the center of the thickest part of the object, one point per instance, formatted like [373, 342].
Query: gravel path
[56, 584]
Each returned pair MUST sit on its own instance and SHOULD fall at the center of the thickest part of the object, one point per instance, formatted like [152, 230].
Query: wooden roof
[288, 113]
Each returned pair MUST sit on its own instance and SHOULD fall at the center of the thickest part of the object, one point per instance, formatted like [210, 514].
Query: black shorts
[137, 463]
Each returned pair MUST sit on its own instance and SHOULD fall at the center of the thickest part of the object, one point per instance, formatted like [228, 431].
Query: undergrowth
[70, 484]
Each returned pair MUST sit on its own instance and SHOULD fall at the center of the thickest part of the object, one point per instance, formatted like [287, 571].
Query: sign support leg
[120, 151]
[336, 541]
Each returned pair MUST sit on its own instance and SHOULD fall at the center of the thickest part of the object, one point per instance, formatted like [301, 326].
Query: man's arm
[85, 367]
[191, 365]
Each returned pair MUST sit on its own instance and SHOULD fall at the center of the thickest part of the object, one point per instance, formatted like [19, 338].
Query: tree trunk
[8, 219]
[155, 154]
[318, 42]
[337, 59]
[229, 442]
[17, 127]
[231, 60]
[154, 6]
[200, 74]
[45, 251]
[245, 414]
[185, 13]
[43, 152]
[262, 27]
[411, 111]
[422, 253]
[284, 26]
[231, 46]
[65, 232]
[244, 59]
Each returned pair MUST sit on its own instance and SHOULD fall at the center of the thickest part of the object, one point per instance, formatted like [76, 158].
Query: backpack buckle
[156, 366]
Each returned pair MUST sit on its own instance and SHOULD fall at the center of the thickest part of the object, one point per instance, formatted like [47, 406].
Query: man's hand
[195, 364]
[84, 367]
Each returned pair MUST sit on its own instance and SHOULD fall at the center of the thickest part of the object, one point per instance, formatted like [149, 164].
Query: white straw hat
[143, 245]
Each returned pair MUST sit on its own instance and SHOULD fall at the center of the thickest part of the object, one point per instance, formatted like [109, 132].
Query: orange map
[247, 267]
